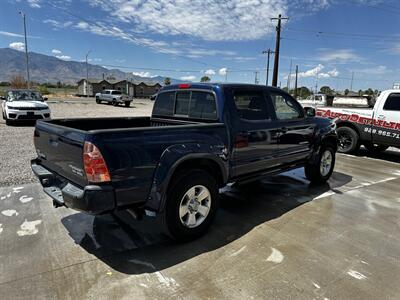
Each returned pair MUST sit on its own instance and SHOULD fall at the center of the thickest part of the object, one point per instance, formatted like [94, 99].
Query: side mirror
[310, 112]
[45, 99]
[2, 98]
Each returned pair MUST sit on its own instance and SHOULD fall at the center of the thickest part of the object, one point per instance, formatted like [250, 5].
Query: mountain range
[50, 69]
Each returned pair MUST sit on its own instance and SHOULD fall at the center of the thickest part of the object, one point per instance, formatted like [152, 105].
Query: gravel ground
[16, 146]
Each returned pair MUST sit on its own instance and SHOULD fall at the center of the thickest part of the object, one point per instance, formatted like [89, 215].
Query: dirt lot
[16, 141]
[281, 239]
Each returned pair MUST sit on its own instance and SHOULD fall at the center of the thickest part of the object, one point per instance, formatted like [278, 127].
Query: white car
[19, 105]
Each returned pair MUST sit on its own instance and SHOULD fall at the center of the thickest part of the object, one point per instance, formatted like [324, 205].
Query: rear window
[190, 104]
[116, 93]
[392, 102]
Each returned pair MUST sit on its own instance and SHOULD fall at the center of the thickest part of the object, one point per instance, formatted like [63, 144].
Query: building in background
[133, 88]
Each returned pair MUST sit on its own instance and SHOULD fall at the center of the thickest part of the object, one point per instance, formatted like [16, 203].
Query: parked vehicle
[376, 128]
[114, 97]
[23, 105]
[171, 165]
[323, 100]
[153, 97]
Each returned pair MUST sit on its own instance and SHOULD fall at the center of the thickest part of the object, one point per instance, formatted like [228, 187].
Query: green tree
[205, 79]
[167, 81]
[346, 91]
[43, 90]
[326, 90]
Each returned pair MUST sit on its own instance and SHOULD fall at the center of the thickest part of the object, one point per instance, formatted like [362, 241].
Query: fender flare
[171, 159]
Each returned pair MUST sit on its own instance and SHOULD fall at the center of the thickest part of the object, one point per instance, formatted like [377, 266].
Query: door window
[392, 102]
[286, 108]
[251, 104]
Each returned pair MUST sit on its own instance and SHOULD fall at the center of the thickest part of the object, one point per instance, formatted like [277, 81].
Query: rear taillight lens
[95, 166]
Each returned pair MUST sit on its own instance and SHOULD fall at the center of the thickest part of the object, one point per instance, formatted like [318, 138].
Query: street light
[26, 50]
[87, 74]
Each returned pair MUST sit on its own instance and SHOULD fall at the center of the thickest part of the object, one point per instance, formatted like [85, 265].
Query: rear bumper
[92, 199]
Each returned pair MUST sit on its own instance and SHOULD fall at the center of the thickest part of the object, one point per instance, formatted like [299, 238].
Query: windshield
[24, 96]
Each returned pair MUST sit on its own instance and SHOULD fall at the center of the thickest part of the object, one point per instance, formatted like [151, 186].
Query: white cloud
[214, 20]
[378, 70]
[63, 57]
[17, 46]
[339, 55]
[34, 3]
[209, 72]
[317, 71]
[57, 24]
[56, 51]
[143, 74]
[222, 71]
[11, 34]
[188, 78]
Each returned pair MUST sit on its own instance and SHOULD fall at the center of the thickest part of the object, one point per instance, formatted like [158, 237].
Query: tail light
[184, 86]
[95, 166]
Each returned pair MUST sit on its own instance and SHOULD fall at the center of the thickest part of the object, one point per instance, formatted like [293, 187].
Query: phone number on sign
[382, 132]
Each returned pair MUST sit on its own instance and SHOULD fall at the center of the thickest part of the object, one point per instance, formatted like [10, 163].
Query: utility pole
[226, 75]
[26, 51]
[87, 74]
[277, 49]
[289, 77]
[256, 77]
[295, 82]
[269, 52]
[352, 78]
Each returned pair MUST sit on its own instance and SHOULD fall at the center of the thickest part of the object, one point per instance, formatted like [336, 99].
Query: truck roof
[211, 85]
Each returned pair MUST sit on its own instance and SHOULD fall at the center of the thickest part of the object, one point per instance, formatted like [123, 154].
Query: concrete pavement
[281, 239]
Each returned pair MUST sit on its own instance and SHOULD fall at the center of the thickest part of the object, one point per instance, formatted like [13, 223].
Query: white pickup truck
[114, 97]
[376, 128]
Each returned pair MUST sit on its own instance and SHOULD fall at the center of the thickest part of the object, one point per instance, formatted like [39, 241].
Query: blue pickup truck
[171, 165]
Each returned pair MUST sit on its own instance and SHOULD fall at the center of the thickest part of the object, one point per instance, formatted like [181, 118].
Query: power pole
[87, 74]
[26, 51]
[351, 84]
[295, 82]
[277, 49]
[269, 52]
[256, 77]
[289, 77]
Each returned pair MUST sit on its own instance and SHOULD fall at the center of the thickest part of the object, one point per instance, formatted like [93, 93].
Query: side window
[164, 105]
[251, 104]
[285, 107]
[392, 102]
[182, 103]
[202, 106]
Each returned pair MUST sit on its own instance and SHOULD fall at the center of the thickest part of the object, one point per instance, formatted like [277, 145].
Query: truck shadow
[133, 247]
[388, 155]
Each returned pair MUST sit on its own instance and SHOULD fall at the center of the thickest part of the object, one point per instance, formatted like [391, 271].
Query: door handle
[283, 130]
[381, 117]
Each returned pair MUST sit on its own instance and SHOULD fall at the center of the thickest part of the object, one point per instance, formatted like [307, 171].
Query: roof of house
[113, 81]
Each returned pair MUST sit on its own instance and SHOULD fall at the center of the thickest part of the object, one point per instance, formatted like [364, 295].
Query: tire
[98, 100]
[375, 148]
[348, 140]
[114, 102]
[186, 218]
[127, 103]
[8, 122]
[320, 171]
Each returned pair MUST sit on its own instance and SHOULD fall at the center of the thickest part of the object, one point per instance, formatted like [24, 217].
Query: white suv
[22, 105]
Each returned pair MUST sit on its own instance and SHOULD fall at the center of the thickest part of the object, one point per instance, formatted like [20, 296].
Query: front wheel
[127, 103]
[98, 100]
[348, 140]
[320, 171]
[192, 203]
[375, 148]
[114, 102]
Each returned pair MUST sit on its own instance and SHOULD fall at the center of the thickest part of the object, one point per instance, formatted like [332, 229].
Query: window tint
[392, 102]
[251, 105]
[202, 106]
[116, 92]
[182, 103]
[164, 105]
[285, 107]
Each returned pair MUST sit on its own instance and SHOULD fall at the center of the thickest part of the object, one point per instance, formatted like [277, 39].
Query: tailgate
[60, 150]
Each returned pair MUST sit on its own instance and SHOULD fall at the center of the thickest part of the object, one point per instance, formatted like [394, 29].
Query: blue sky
[327, 39]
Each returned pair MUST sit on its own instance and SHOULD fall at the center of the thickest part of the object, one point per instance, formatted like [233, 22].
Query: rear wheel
[98, 100]
[114, 102]
[127, 103]
[348, 140]
[375, 148]
[192, 202]
[320, 171]
[8, 121]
